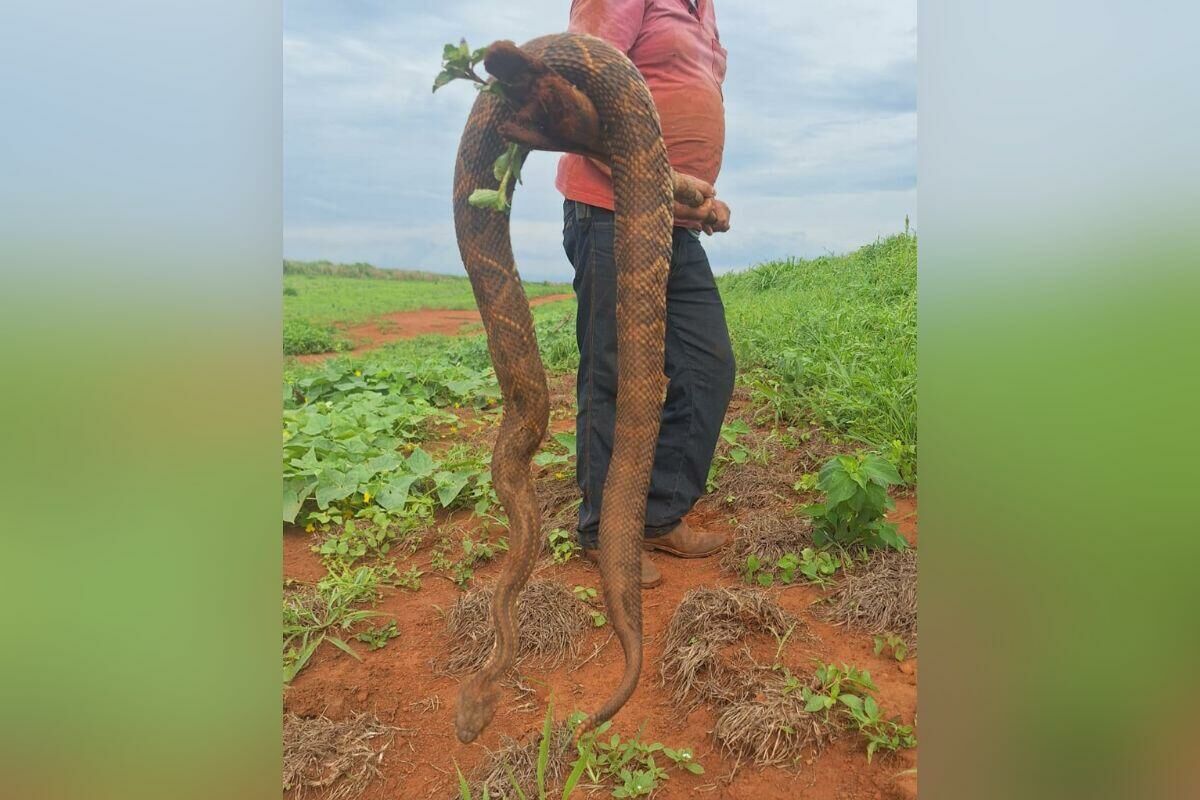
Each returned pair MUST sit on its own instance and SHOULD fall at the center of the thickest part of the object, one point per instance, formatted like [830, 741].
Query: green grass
[833, 340]
[830, 340]
[301, 336]
[359, 292]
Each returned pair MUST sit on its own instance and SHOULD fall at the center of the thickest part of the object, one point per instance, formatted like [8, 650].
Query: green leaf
[295, 492]
[567, 440]
[544, 750]
[512, 780]
[394, 495]
[334, 486]
[852, 701]
[576, 774]
[880, 470]
[815, 703]
[301, 659]
[464, 791]
[450, 486]
[501, 165]
[485, 198]
[343, 646]
[420, 462]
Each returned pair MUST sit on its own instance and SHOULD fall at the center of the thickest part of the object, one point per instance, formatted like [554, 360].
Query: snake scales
[624, 132]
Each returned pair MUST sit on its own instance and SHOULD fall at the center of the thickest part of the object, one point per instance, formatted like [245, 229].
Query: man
[675, 45]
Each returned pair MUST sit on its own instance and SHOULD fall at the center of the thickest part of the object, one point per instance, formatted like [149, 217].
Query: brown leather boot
[651, 577]
[684, 542]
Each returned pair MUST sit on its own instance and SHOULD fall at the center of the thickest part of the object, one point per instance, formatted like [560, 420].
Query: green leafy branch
[458, 63]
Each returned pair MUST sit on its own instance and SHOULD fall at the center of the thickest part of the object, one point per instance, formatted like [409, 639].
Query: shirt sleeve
[616, 21]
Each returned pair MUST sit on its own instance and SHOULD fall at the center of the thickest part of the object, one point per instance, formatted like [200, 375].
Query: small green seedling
[586, 594]
[377, 638]
[563, 546]
[856, 500]
[890, 640]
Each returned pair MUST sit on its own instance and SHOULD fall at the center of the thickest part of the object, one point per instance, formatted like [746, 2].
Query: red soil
[391, 682]
[385, 328]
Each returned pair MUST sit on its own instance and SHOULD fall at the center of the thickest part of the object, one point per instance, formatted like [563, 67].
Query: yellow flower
[366, 497]
[358, 372]
[308, 528]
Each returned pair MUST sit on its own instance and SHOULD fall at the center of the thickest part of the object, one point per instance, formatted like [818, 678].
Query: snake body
[631, 138]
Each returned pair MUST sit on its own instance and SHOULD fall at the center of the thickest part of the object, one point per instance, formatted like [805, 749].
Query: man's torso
[678, 51]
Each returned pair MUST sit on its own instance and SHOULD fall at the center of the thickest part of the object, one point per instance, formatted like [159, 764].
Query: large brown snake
[602, 109]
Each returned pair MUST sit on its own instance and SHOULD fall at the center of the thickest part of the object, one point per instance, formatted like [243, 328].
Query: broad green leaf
[420, 462]
[880, 471]
[334, 486]
[567, 440]
[295, 492]
[394, 495]
[853, 701]
[815, 703]
[449, 486]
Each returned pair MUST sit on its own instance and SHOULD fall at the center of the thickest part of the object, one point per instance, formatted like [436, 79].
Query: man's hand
[718, 220]
[712, 214]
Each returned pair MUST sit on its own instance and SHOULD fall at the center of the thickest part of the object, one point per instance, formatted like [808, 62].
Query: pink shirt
[679, 53]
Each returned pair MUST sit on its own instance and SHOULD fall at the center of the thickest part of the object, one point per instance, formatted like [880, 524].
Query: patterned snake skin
[631, 141]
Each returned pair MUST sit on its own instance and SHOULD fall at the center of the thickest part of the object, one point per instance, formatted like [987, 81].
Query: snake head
[476, 707]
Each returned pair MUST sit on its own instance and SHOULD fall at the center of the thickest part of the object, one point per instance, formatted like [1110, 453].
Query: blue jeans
[699, 367]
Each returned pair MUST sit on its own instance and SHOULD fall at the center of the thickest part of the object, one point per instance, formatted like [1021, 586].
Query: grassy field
[387, 483]
[834, 340]
[322, 299]
[830, 341]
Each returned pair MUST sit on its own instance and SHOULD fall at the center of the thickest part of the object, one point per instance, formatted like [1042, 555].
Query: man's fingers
[691, 191]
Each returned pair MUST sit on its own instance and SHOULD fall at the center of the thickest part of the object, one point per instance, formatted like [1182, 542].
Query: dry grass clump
[772, 728]
[551, 620]
[521, 757]
[760, 716]
[558, 498]
[769, 537]
[343, 756]
[879, 597]
[708, 620]
[767, 476]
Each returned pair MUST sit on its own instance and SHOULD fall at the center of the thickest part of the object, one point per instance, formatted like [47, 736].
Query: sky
[820, 151]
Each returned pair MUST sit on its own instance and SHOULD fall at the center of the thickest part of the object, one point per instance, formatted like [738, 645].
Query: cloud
[820, 151]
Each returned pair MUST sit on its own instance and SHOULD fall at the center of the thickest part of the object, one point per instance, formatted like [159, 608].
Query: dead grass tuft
[879, 597]
[521, 757]
[343, 756]
[558, 498]
[707, 621]
[769, 537]
[552, 622]
[766, 478]
[772, 728]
